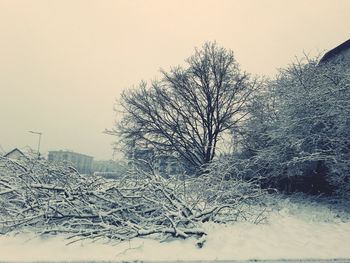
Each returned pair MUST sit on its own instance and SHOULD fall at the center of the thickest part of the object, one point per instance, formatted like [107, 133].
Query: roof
[14, 151]
[335, 51]
[70, 152]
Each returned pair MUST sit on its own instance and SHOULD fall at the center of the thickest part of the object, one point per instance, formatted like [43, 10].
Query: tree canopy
[187, 110]
[300, 128]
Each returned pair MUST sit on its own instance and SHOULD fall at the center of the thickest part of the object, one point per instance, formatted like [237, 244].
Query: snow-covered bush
[301, 128]
[231, 195]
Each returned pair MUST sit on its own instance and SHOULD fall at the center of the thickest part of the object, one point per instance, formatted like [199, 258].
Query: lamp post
[37, 133]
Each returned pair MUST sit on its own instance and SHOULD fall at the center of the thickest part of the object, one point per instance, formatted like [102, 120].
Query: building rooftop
[335, 51]
[67, 151]
[13, 151]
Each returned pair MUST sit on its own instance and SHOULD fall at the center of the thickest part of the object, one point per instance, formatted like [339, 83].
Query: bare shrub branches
[51, 199]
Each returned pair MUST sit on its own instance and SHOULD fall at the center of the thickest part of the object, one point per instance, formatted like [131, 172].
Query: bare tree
[188, 109]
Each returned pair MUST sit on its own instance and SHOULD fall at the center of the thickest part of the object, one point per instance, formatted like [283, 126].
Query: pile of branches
[50, 198]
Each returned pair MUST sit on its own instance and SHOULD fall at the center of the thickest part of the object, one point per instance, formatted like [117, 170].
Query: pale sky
[64, 63]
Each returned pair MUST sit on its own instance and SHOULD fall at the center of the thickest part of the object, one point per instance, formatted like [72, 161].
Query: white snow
[298, 230]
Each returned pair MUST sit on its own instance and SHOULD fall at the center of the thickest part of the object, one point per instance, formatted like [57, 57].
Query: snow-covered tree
[302, 128]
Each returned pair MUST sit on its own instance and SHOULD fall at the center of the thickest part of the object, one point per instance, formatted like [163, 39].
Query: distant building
[168, 165]
[338, 54]
[148, 158]
[16, 154]
[81, 162]
[109, 169]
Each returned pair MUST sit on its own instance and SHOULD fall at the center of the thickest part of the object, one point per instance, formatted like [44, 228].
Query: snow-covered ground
[297, 229]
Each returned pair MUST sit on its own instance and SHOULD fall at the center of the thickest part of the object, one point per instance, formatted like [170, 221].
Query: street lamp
[37, 133]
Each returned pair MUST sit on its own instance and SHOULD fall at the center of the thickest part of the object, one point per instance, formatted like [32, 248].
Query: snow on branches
[51, 198]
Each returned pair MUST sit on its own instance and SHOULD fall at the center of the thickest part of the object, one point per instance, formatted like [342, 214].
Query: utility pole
[37, 133]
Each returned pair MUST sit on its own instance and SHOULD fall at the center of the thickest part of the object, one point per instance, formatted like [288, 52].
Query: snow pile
[296, 230]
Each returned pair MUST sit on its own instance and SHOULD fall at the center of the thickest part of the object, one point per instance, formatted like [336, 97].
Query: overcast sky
[64, 63]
